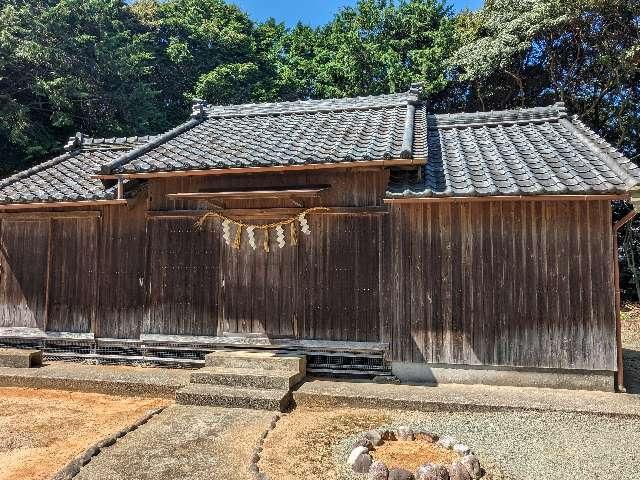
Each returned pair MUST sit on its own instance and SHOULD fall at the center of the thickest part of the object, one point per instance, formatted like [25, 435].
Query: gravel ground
[42, 430]
[511, 445]
[184, 443]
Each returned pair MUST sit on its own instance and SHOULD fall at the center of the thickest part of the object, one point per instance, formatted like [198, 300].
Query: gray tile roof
[517, 152]
[66, 178]
[287, 133]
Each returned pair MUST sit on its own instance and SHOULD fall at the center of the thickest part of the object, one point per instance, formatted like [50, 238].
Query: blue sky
[314, 12]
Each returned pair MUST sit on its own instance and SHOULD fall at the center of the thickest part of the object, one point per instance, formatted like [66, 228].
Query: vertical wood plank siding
[502, 283]
[73, 268]
[122, 274]
[184, 278]
[24, 246]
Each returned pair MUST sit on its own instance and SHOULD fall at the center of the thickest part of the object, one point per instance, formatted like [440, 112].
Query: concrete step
[263, 360]
[225, 396]
[243, 377]
[18, 358]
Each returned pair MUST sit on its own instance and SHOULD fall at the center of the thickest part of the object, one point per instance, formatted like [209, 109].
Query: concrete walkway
[111, 380]
[334, 393]
[184, 443]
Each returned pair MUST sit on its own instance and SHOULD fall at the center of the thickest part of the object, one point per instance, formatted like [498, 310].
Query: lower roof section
[525, 152]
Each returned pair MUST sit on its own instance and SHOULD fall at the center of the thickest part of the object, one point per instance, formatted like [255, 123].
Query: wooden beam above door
[307, 191]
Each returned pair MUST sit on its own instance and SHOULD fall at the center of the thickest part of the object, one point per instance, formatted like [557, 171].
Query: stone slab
[542, 378]
[110, 380]
[183, 443]
[335, 393]
[234, 397]
[251, 360]
[242, 377]
[20, 358]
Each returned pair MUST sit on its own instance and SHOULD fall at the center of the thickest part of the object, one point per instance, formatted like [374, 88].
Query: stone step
[243, 377]
[19, 358]
[225, 396]
[263, 360]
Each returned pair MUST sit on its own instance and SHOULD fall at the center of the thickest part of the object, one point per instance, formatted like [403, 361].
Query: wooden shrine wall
[477, 283]
[318, 289]
[502, 283]
[49, 265]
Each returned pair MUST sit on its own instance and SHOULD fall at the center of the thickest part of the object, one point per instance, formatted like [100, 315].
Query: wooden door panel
[339, 278]
[23, 272]
[260, 289]
[72, 286]
[184, 283]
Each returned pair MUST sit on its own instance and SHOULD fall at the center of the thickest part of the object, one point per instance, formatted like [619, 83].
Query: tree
[208, 49]
[585, 53]
[375, 47]
[70, 65]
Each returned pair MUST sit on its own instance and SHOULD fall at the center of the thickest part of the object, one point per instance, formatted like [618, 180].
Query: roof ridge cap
[322, 105]
[80, 141]
[108, 167]
[555, 112]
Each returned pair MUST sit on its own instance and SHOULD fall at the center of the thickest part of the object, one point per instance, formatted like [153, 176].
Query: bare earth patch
[302, 445]
[410, 455]
[42, 430]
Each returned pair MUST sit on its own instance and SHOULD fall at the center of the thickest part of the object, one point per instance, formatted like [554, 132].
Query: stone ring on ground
[404, 454]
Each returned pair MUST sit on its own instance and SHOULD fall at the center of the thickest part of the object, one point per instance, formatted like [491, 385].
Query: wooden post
[120, 188]
[616, 271]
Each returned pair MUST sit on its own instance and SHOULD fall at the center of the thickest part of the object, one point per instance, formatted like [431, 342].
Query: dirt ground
[42, 430]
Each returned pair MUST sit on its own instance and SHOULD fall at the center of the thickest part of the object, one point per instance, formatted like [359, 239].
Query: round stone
[373, 436]
[461, 449]
[405, 434]
[426, 436]
[378, 471]
[388, 435]
[459, 471]
[431, 471]
[362, 442]
[472, 464]
[355, 453]
[400, 474]
[362, 464]
[447, 442]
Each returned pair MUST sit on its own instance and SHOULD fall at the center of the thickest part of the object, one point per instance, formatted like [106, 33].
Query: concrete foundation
[428, 374]
[17, 358]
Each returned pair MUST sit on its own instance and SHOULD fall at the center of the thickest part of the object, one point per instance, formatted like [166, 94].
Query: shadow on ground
[632, 369]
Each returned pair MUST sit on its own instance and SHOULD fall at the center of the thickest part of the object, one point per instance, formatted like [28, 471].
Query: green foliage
[70, 64]
[375, 47]
[531, 52]
[107, 67]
